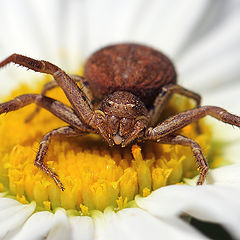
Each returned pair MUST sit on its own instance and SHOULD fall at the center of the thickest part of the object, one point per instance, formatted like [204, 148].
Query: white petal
[165, 25]
[214, 15]
[224, 95]
[36, 227]
[61, 228]
[11, 211]
[56, 226]
[82, 228]
[13, 215]
[218, 204]
[231, 152]
[228, 138]
[74, 35]
[213, 61]
[227, 175]
[27, 30]
[107, 21]
[135, 223]
[168, 25]
[7, 203]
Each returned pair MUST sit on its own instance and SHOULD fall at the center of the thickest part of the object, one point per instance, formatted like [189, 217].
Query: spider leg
[196, 149]
[52, 84]
[83, 109]
[164, 96]
[39, 161]
[84, 85]
[59, 109]
[180, 120]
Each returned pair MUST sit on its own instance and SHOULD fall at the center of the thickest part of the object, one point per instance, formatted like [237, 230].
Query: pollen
[94, 175]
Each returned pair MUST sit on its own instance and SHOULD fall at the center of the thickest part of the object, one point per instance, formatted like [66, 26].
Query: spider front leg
[39, 161]
[196, 149]
[163, 132]
[57, 108]
[180, 120]
[83, 109]
[53, 84]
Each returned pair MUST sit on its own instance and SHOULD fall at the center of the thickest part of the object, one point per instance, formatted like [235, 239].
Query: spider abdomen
[135, 68]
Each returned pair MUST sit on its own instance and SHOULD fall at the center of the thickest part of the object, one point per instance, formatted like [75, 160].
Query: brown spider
[135, 82]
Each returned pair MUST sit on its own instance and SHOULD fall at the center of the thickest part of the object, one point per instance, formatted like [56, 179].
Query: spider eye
[110, 104]
[131, 106]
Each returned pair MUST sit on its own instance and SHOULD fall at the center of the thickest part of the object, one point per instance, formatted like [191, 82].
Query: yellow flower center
[94, 175]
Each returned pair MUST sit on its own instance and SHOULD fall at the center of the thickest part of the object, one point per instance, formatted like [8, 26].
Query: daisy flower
[146, 192]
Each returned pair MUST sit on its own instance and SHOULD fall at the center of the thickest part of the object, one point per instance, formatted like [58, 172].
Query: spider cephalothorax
[123, 92]
[121, 114]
